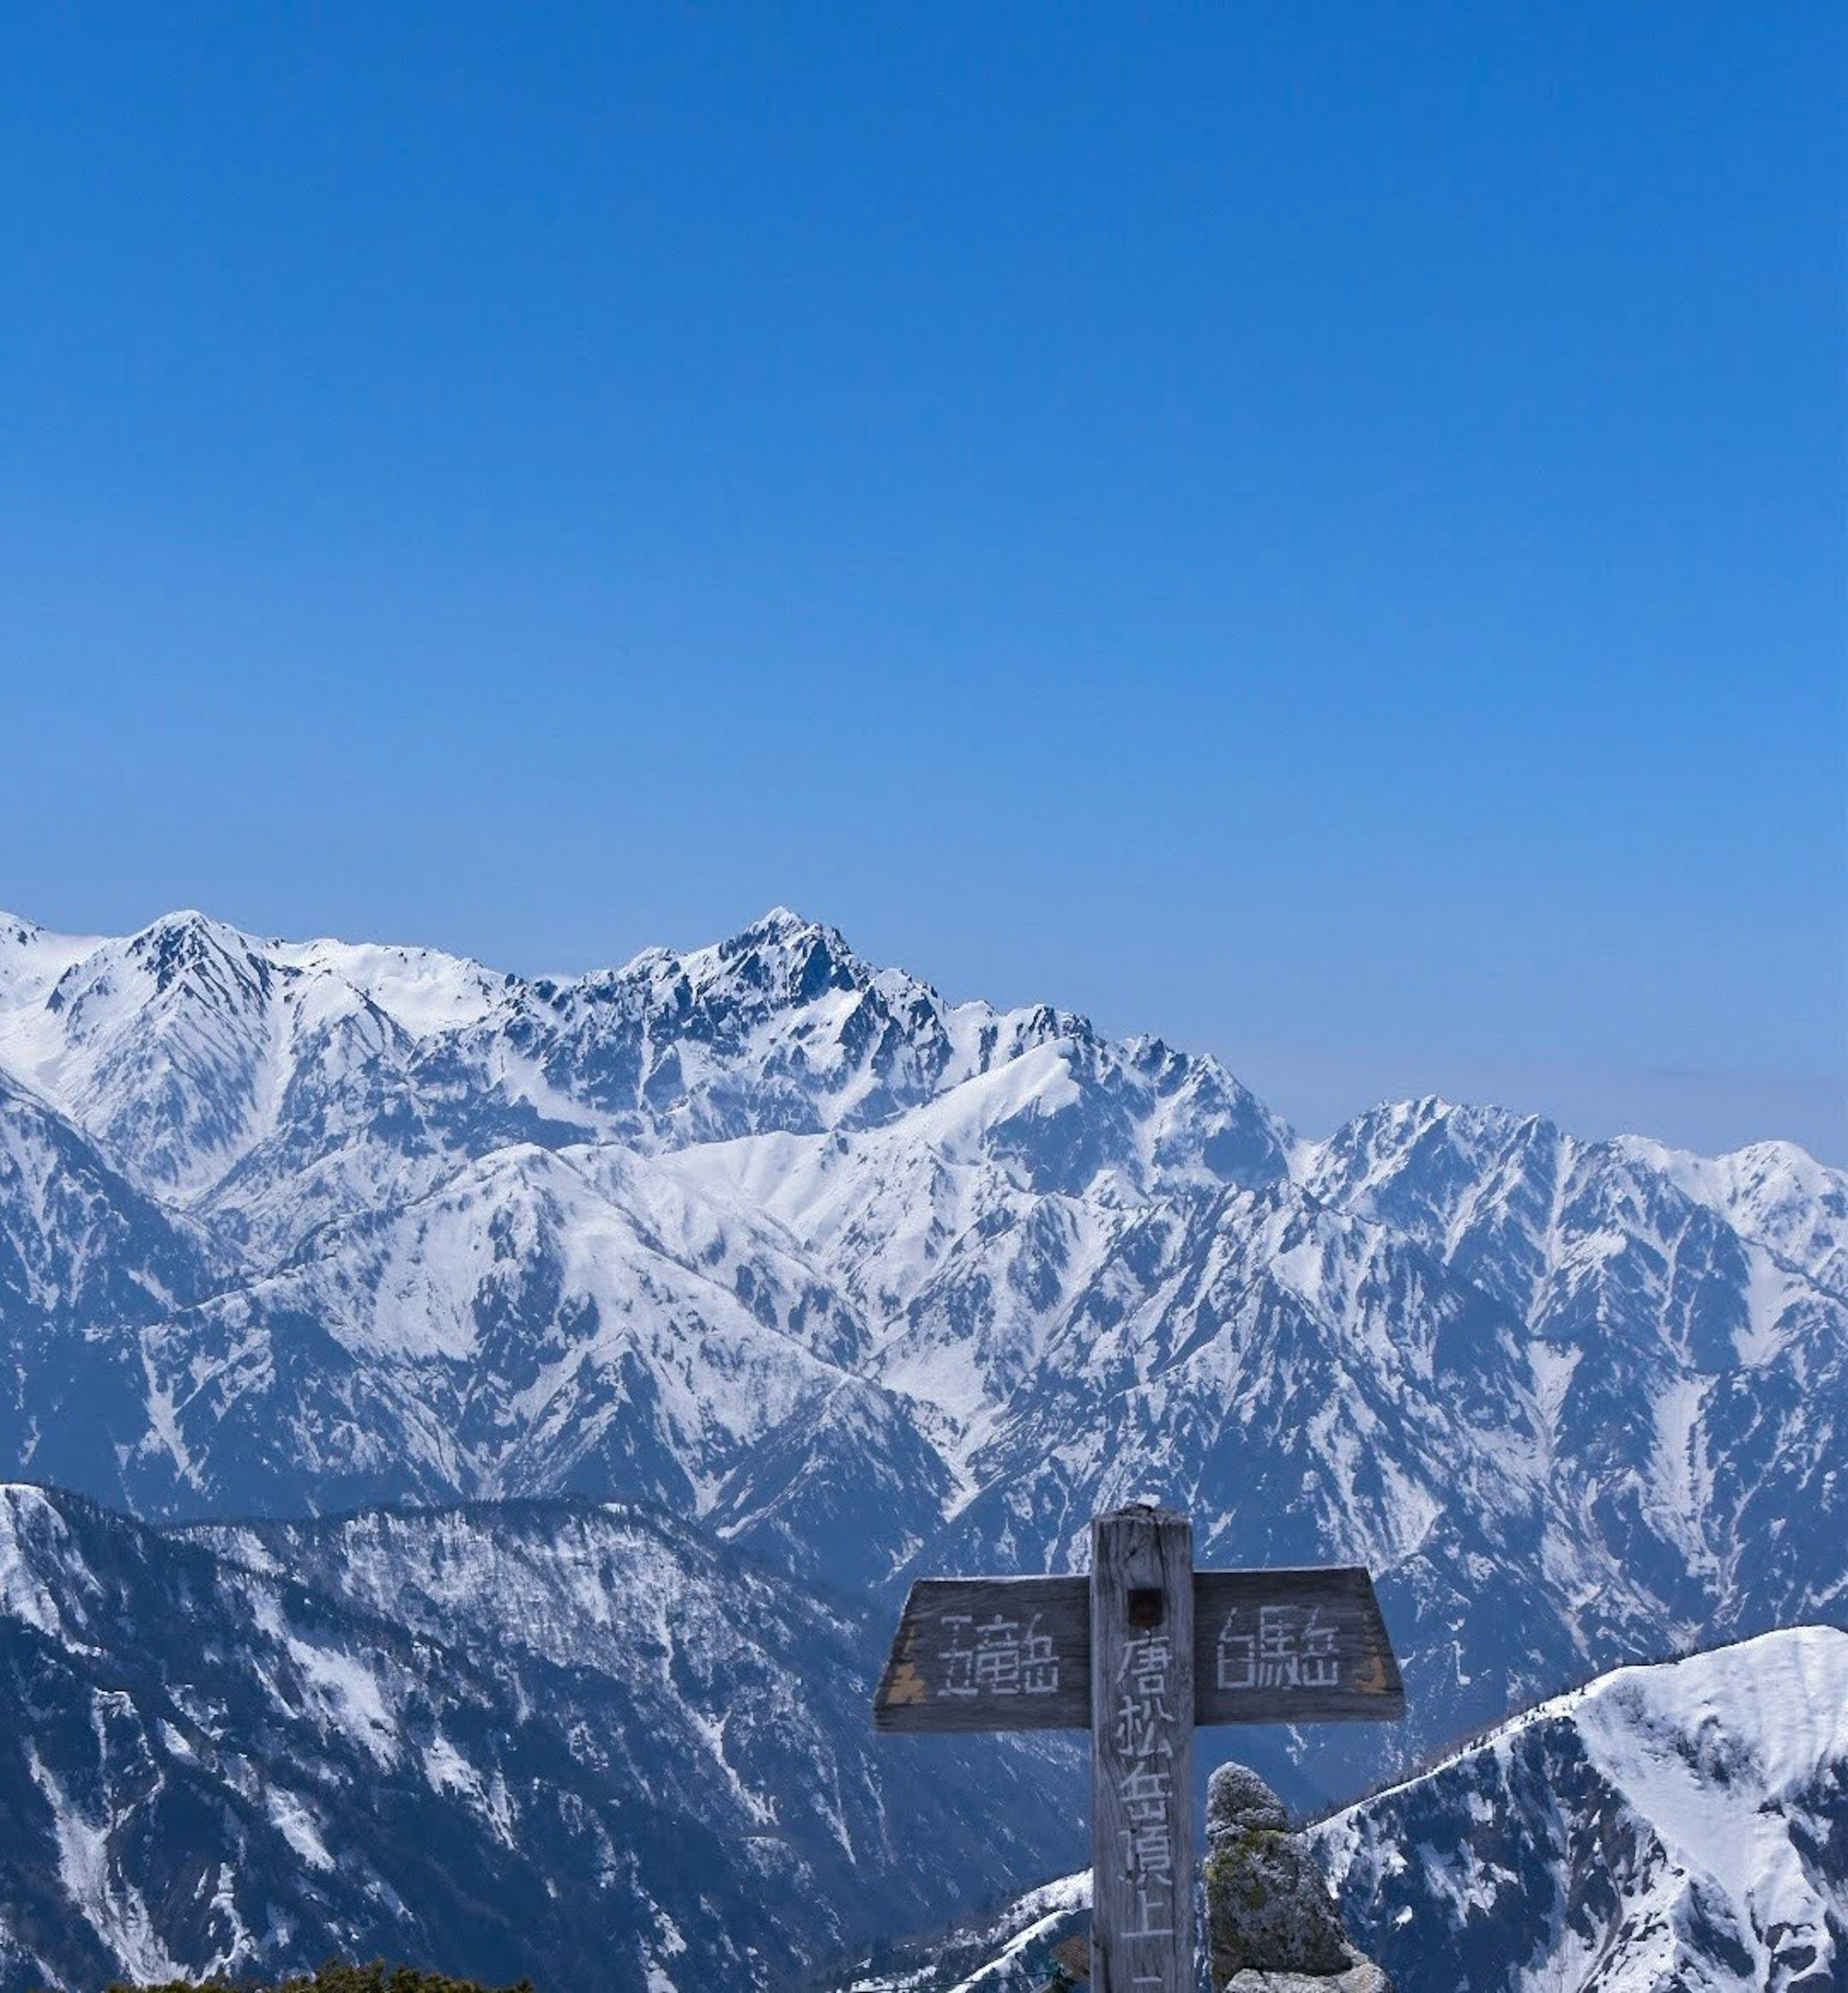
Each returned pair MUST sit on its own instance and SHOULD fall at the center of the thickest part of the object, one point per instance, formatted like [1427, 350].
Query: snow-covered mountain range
[577, 1741]
[1676, 1828]
[873, 1283]
[865, 1284]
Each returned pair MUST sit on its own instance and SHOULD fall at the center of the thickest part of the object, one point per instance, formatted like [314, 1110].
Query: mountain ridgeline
[852, 1284]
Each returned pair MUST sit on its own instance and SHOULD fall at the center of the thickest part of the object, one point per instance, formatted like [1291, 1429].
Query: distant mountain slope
[86, 1262]
[875, 1283]
[1679, 1828]
[578, 1742]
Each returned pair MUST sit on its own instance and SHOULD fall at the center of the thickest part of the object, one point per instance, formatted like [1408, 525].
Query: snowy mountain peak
[425, 991]
[782, 960]
[779, 923]
[1772, 1191]
[181, 962]
[215, 961]
[32, 959]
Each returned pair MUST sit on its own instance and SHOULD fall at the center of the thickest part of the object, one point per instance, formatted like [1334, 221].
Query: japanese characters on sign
[1138, 1653]
[1289, 1646]
[1269, 1646]
[1143, 1656]
[989, 1654]
[997, 1656]
[1144, 1757]
[1277, 1646]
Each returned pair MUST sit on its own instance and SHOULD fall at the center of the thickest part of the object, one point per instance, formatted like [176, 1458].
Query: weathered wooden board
[1014, 1653]
[989, 1654]
[1293, 1646]
[1142, 1658]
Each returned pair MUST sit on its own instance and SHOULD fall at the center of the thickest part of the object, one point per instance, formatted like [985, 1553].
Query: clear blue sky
[1314, 529]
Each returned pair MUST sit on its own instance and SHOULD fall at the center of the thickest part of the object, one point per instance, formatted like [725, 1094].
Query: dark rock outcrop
[1272, 1924]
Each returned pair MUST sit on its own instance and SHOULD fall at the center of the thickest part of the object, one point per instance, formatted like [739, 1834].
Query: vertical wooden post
[1142, 1752]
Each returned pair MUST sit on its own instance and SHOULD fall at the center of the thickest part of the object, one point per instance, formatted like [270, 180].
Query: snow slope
[1679, 1826]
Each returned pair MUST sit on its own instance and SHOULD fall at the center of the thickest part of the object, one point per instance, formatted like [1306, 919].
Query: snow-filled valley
[853, 1284]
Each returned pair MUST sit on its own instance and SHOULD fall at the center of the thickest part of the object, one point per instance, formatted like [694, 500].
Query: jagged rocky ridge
[868, 1283]
[574, 1741]
[1676, 1828]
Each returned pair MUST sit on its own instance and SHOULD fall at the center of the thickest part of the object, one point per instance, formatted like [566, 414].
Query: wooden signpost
[1138, 1653]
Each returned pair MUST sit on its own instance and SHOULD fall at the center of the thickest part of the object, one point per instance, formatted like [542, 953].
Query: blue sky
[1315, 530]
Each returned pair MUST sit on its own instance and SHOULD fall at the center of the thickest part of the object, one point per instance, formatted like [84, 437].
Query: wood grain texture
[1014, 1653]
[989, 1653]
[1293, 1646]
[1142, 1661]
